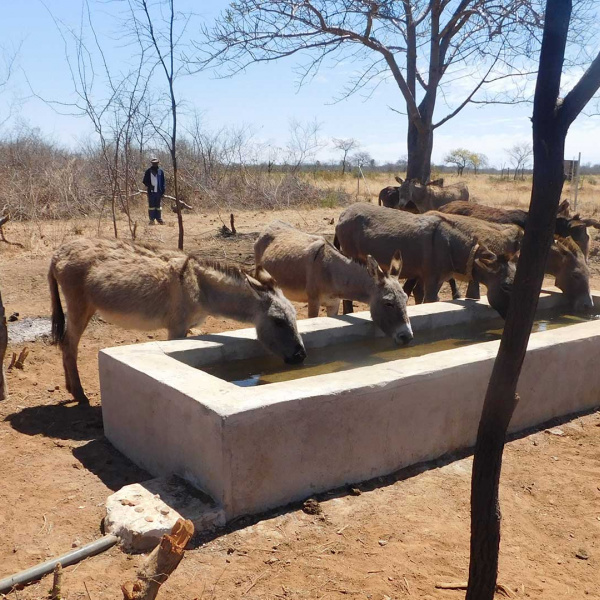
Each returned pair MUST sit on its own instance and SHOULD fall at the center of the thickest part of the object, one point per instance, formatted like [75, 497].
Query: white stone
[256, 448]
[141, 513]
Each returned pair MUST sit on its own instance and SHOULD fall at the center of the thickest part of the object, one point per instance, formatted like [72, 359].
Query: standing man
[154, 180]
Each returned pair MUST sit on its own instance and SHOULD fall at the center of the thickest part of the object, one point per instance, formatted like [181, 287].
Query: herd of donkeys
[423, 234]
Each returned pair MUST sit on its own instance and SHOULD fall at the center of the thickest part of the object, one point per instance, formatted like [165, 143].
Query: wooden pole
[576, 178]
[3, 345]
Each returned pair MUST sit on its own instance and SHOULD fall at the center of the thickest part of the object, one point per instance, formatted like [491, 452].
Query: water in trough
[350, 355]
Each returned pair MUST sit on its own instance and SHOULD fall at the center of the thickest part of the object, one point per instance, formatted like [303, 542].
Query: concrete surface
[256, 448]
[141, 513]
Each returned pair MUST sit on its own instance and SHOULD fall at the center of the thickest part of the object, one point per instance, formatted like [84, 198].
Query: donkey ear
[486, 264]
[564, 248]
[255, 285]
[263, 277]
[374, 269]
[484, 253]
[396, 264]
[486, 259]
[399, 180]
[563, 208]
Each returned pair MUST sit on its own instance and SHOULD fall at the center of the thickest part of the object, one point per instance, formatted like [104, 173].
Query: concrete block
[141, 513]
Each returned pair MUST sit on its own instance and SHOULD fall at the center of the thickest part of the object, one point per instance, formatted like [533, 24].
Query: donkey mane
[227, 269]
[359, 260]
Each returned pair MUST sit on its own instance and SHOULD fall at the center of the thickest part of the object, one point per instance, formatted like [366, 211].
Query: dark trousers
[154, 207]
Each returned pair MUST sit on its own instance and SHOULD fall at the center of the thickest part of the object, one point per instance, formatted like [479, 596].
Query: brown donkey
[565, 226]
[433, 250]
[140, 286]
[309, 269]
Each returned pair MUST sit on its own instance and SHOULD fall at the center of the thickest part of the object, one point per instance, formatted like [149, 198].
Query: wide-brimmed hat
[154, 160]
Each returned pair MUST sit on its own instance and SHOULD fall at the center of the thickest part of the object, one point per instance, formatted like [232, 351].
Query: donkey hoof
[82, 399]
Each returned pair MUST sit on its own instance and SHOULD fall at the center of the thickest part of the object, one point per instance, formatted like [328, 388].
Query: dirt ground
[395, 539]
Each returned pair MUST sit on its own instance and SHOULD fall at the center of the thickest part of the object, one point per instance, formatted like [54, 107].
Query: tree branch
[581, 94]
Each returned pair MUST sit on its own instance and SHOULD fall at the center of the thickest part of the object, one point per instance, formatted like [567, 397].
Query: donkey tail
[58, 316]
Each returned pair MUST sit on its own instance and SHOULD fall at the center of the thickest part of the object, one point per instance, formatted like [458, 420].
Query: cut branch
[161, 562]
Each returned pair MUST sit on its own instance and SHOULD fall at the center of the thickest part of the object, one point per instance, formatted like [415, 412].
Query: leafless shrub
[44, 181]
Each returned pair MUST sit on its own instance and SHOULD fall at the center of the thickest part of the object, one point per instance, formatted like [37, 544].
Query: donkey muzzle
[403, 336]
[298, 356]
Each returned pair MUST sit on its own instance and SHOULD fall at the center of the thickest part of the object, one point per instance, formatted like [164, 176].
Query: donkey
[428, 196]
[390, 196]
[565, 225]
[139, 286]
[503, 239]
[432, 250]
[308, 268]
[566, 262]
[572, 274]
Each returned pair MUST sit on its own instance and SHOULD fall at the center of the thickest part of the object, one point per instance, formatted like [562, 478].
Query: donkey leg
[418, 291]
[409, 286]
[333, 307]
[473, 290]
[432, 289]
[314, 304]
[454, 288]
[347, 307]
[77, 321]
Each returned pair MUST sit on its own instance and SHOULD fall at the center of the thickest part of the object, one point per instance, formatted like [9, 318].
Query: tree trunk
[419, 146]
[501, 399]
[3, 345]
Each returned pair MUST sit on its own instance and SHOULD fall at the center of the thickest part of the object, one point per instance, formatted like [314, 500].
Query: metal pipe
[70, 558]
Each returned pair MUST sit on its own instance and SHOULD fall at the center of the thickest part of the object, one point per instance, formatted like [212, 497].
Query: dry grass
[485, 189]
[334, 191]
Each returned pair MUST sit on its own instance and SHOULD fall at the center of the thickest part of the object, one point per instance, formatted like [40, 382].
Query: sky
[265, 98]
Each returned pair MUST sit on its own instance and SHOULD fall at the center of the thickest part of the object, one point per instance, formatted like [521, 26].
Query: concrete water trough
[254, 448]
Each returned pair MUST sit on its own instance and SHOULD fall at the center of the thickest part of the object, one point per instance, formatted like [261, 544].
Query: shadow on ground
[62, 421]
[114, 469]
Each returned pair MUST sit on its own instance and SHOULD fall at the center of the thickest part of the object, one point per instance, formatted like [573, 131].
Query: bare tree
[552, 118]
[422, 46]
[519, 155]
[304, 142]
[165, 41]
[8, 59]
[361, 159]
[113, 111]
[345, 145]
[402, 163]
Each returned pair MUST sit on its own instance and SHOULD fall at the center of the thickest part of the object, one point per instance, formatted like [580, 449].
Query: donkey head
[497, 273]
[275, 320]
[388, 300]
[575, 228]
[573, 274]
